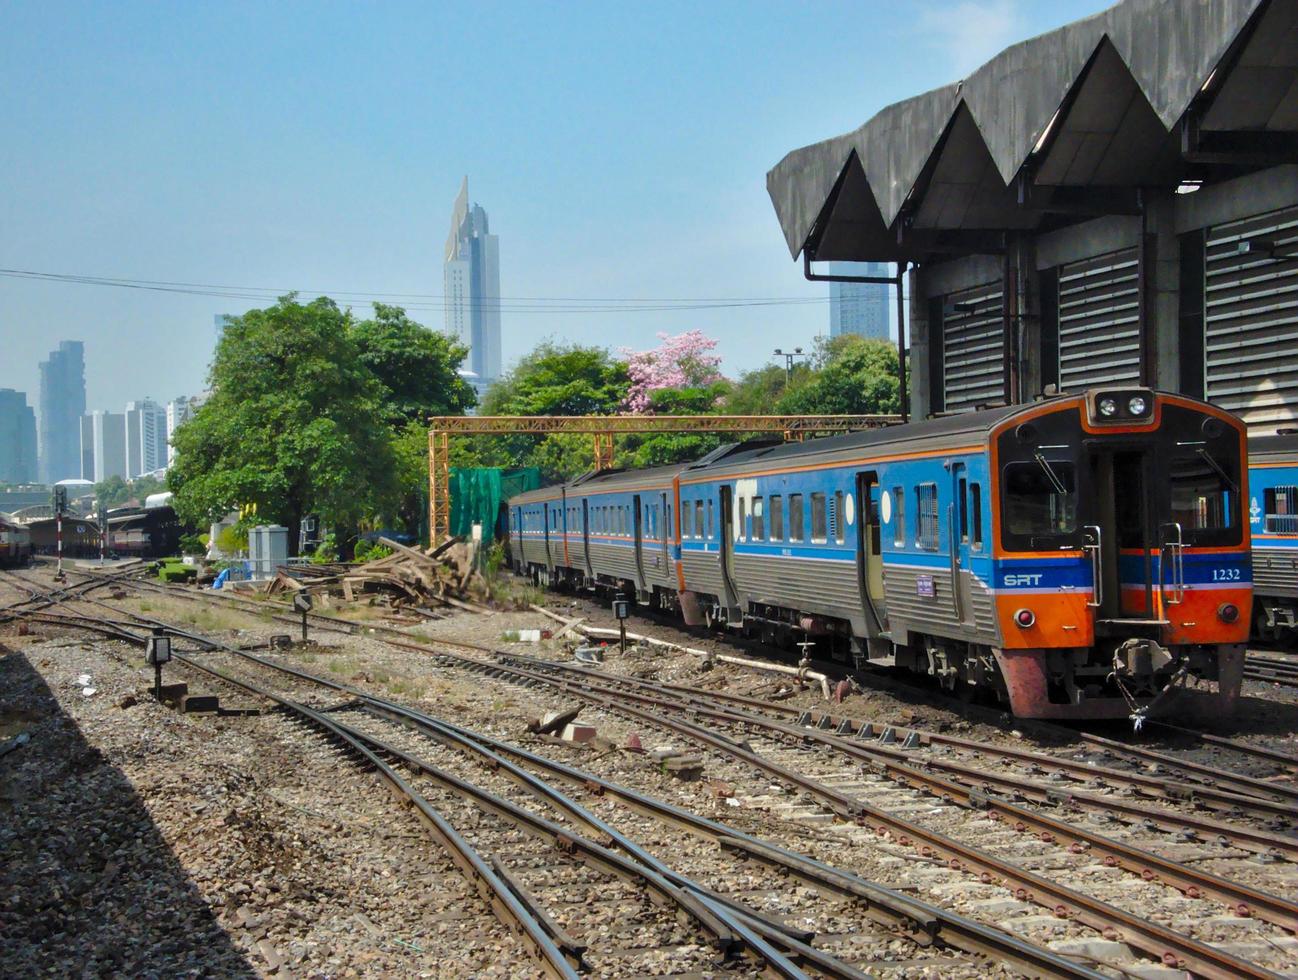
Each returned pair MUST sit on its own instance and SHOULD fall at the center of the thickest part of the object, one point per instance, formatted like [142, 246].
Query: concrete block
[577, 733]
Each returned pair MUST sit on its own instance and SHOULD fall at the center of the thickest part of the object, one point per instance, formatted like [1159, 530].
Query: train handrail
[1097, 565]
[1175, 550]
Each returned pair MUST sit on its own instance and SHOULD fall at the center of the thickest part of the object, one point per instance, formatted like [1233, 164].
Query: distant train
[1080, 557]
[144, 532]
[1273, 514]
[15, 544]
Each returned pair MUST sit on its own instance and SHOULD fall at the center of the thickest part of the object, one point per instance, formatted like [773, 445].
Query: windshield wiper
[1051, 475]
[1207, 458]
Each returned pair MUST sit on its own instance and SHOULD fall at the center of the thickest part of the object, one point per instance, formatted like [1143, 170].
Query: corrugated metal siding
[1251, 320]
[936, 616]
[615, 561]
[1099, 321]
[826, 587]
[973, 349]
[1275, 571]
[703, 572]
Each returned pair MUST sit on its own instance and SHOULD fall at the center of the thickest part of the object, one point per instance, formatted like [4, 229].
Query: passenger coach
[1273, 516]
[1082, 556]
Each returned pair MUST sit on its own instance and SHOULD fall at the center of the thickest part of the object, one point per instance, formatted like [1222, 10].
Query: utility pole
[789, 358]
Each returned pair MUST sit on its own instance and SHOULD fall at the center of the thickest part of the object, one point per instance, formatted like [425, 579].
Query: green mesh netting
[478, 492]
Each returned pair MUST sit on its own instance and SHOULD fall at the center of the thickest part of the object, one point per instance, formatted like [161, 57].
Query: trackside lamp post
[621, 609]
[157, 651]
[302, 604]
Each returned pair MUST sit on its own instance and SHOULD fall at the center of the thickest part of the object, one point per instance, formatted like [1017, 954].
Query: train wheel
[1262, 630]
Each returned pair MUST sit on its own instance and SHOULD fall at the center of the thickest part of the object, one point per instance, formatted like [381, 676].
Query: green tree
[112, 491]
[852, 376]
[294, 424]
[554, 379]
[419, 367]
[758, 392]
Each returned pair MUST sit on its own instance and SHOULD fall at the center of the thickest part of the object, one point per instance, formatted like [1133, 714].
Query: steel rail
[1242, 899]
[919, 917]
[729, 929]
[512, 913]
[1152, 785]
[1233, 744]
[1163, 944]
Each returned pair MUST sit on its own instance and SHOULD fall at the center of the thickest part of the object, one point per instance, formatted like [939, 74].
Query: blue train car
[1080, 557]
[1273, 514]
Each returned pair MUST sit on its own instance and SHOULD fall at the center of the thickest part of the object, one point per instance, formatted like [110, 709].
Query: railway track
[784, 737]
[763, 935]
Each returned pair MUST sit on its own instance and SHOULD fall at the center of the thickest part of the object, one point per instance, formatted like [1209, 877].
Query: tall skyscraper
[146, 438]
[17, 438]
[103, 445]
[858, 307]
[63, 402]
[471, 284]
[178, 410]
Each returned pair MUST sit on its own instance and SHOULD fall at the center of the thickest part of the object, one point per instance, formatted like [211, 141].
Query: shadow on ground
[88, 885]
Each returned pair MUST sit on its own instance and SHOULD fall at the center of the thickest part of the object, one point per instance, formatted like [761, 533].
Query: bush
[327, 553]
[370, 551]
[193, 544]
[177, 573]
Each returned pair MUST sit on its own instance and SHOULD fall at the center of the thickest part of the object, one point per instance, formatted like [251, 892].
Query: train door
[958, 533]
[1121, 542]
[585, 535]
[637, 527]
[869, 553]
[545, 525]
[663, 533]
[727, 550]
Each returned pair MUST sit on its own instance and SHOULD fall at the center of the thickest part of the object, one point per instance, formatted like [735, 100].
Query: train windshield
[1040, 499]
[1204, 491]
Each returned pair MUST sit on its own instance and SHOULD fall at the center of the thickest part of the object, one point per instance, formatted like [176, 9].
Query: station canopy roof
[1054, 130]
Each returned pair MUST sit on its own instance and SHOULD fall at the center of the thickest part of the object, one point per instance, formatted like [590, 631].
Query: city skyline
[62, 403]
[859, 308]
[190, 175]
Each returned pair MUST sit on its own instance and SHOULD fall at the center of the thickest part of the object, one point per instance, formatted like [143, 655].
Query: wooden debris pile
[408, 580]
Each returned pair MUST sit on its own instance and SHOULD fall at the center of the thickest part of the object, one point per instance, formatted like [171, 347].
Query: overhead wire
[425, 301]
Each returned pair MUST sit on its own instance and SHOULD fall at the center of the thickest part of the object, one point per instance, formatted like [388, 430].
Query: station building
[1115, 201]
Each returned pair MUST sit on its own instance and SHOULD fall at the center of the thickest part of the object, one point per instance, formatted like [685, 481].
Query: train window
[670, 529]
[818, 528]
[836, 517]
[759, 519]
[1205, 495]
[899, 517]
[743, 519]
[976, 514]
[1280, 504]
[777, 517]
[926, 522]
[1040, 501]
[795, 517]
[687, 522]
[622, 523]
[709, 518]
[962, 498]
[698, 518]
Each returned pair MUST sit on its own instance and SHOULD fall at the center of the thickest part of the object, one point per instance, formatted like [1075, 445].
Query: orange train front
[1084, 556]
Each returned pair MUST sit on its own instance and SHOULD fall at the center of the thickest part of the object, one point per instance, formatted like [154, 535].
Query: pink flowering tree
[681, 361]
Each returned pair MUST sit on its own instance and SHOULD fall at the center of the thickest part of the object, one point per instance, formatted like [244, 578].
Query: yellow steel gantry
[602, 429]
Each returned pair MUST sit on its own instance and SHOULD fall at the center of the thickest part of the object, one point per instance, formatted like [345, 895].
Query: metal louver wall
[1251, 319]
[973, 348]
[1099, 321]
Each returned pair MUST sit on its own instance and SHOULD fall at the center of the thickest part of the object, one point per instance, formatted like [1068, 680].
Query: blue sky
[620, 150]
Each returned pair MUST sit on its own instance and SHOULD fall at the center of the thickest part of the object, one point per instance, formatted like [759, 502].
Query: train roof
[948, 430]
[1283, 445]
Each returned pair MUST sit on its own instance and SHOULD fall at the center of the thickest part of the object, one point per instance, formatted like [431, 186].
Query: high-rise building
[178, 410]
[471, 284]
[63, 402]
[17, 438]
[146, 438]
[103, 445]
[858, 307]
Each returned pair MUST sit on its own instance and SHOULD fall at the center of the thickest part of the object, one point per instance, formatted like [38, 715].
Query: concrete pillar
[1027, 302]
[921, 384]
[1164, 289]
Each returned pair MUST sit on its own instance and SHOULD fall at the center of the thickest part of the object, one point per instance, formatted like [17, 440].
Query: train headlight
[1228, 612]
[1137, 405]
[1025, 618]
[1108, 407]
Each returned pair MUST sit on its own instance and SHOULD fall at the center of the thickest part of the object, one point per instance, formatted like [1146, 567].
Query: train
[1084, 556]
[1273, 518]
[144, 532]
[15, 544]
